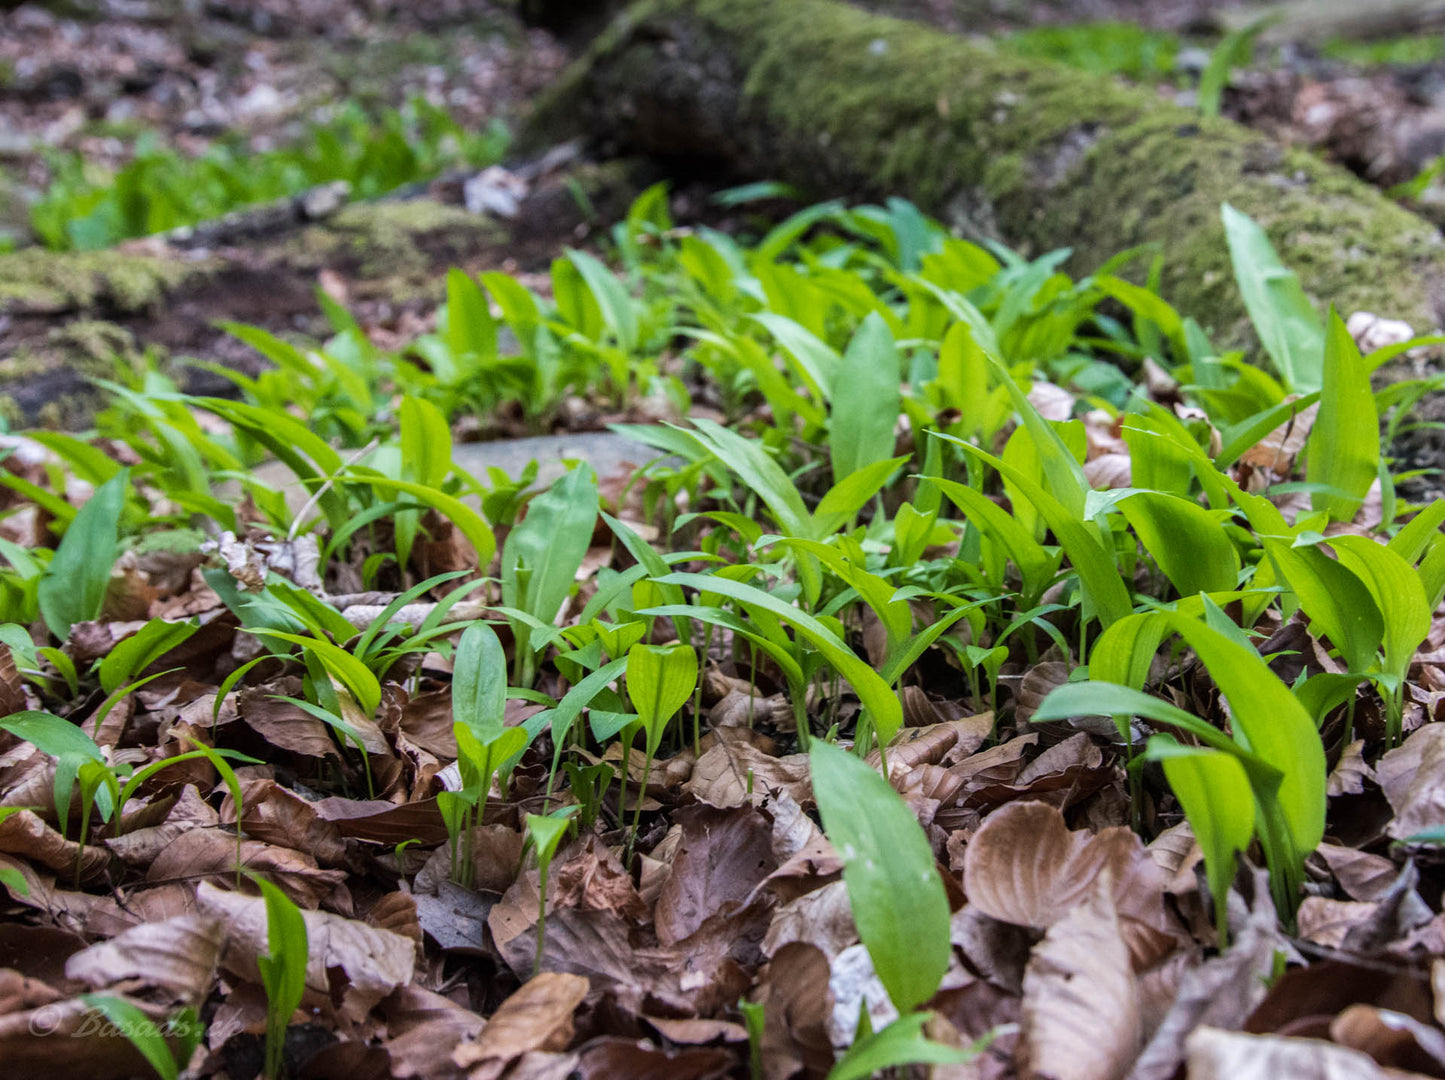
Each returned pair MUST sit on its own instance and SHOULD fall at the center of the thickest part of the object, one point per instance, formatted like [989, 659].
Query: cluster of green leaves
[1116, 48]
[87, 207]
[885, 471]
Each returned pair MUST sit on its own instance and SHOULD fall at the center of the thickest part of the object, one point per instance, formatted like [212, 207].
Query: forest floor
[695, 922]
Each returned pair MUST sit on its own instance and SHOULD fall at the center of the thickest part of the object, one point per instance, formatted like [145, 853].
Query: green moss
[42, 282]
[94, 346]
[396, 245]
[842, 102]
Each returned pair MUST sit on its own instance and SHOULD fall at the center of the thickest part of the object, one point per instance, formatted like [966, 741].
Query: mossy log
[839, 101]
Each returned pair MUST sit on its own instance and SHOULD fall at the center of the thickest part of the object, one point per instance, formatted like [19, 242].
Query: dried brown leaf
[1081, 1017]
[177, 956]
[1230, 1055]
[537, 1017]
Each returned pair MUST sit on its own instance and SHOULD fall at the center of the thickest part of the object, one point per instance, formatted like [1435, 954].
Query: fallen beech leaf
[1025, 866]
[25, 833]
[692, 1032]
[277, 816]
[1412, 777]
[1350, 772]
[611, 1057]
[793, 990]
[723, 855]
[1362, 875]
[537, 1017]
[822, 918]
[1392, 1039]
[1230, 1055]
[1221, 992]
[211, 853]
[374, 962]
[178, 956]
[721, 776]
[1328, 922]
[1081, 1018]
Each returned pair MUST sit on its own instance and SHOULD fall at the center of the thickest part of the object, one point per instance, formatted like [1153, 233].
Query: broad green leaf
[1214, 791]
[426, 442]
[1186, 541]
[660, 680]
[131, 1023]
[1288, 326]
[471, 330]
[815, 360]
[900, 1043]
[841, 503]
[354, 675]
[479, 681]
[550, 542]
[1344, 444]
[611, 297]
[1412, 540]
[283, 967]
[1337, 602]
[1397, 591]
[894, 889]
[468, 521]
[134, 654]
[1062, 471]
[62, 740]
[73, 588]
[1036, 565]
[865, 400]
[756, 469]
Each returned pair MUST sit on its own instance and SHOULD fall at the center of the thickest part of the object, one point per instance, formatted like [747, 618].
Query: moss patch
[842, 102]
[36, 281]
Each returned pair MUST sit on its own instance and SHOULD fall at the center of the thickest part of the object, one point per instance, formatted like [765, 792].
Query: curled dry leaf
[24, 833]
[611, 1057]
[1025, 866]
[537, 1017]
[1230, 1055]
[1393, 1039]
[730, 769]
[1081, 1016]
[374, 962]
[211, 853]
[277, 816]
[822, 918]
[1221, 992]
[1412, 777]
[177, 956]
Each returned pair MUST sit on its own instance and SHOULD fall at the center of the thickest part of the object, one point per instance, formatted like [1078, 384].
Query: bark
[842, 102]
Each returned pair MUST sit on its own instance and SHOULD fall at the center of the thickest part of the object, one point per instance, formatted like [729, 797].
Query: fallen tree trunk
[841, 102]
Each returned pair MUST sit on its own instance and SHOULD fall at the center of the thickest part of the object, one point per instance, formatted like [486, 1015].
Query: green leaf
[897, 897]
[751, 463]
[1214, 791]
[877, 697]
[139, 1029]
[426, 442]
[1344, 444]
[1036, 566]
[1187, 541]
[900, 1043]
[134, 654]
[550, 543]
[813, 360]
[1288, 326]
[660, 680]
[479, 681]
[73, 588]
[62, 740]
[354, 675]
[611, 297]
[1338, 603]
[283, 968]
[1091, 559]
[1062, 471]
[841, 503]
[467, 520]
[1398, 594]
[471, 330]
[865, 399]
